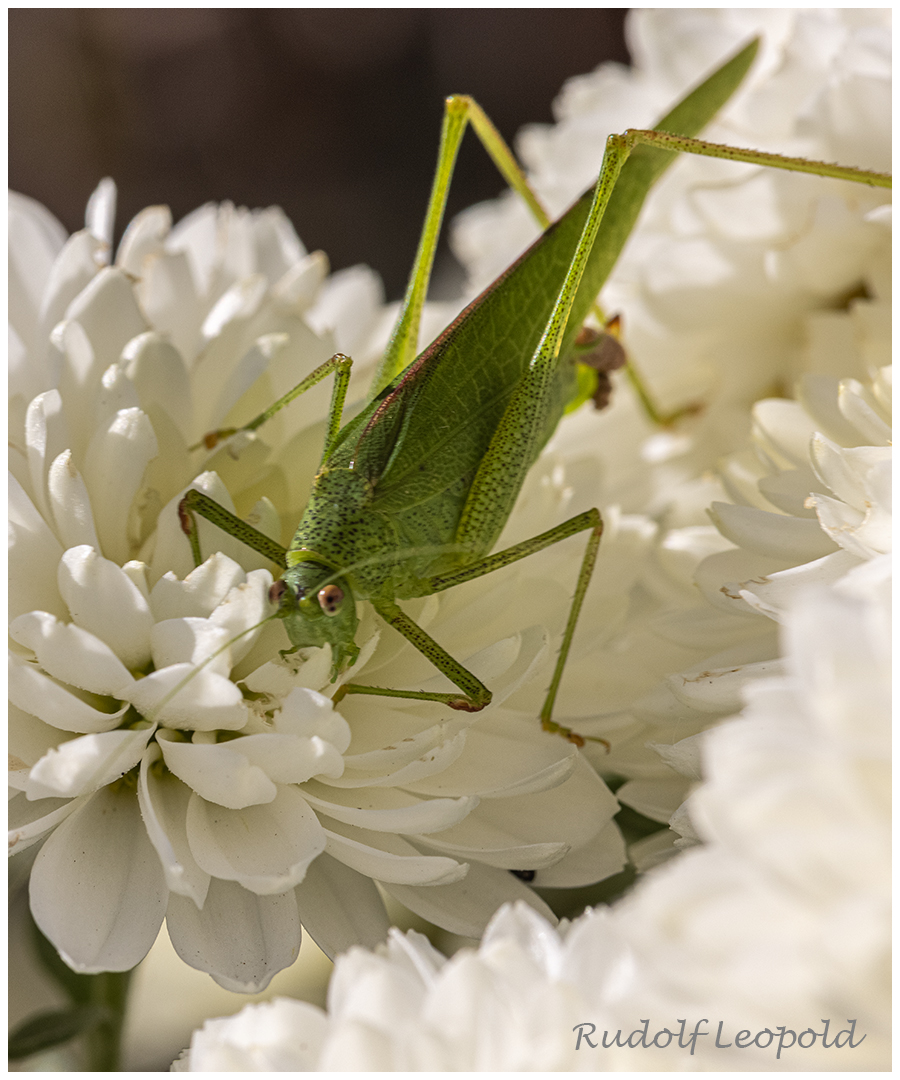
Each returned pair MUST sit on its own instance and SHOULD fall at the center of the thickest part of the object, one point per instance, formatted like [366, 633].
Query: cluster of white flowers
[228, 797]
[738, 283]
[166, 773]
[778, 927]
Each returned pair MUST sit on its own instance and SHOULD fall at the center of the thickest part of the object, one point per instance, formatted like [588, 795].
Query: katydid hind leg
[591, 520]
[459, 111]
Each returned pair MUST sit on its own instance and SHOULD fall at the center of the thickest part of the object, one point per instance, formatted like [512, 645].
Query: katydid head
[318, 608]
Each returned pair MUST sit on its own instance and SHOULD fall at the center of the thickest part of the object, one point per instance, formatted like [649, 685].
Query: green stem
[103, 1044]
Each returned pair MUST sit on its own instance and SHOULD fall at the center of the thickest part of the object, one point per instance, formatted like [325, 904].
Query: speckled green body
[395, 485]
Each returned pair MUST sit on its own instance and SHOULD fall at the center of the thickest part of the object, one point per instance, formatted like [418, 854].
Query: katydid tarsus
[412, 494]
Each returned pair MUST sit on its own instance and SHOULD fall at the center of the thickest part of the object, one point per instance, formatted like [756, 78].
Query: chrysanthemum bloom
[168, 773]
[779, 926]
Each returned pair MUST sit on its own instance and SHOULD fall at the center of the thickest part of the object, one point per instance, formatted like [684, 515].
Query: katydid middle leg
[196, 501]
[338, 364]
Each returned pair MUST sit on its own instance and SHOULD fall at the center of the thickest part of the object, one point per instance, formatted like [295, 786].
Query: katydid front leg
[339, 364]
[195, 500]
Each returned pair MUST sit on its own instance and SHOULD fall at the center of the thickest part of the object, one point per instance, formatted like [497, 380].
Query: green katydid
[412, 493]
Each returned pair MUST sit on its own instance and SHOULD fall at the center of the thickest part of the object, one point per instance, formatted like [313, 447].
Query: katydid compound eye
[276, 590]
[330, 599]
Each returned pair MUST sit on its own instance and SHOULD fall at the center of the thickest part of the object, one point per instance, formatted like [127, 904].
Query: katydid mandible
[412, 494]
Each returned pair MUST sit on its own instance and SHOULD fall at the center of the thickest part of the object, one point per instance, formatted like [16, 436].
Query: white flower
[170, 767]
[781, 921]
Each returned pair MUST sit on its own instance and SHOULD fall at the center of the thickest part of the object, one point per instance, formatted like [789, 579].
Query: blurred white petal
[266, 848]
[104, 909]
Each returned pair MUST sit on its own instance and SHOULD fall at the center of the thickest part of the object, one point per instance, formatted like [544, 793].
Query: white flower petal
[80, 766]
[70, 503]
[777, 535]
[834, 470]
[30, 738]
[114, 467]
[36, 693]
[143, 236]
[685, 756]
[564, 816]
[432, 762]
[503, 756]
[241, 939]
[189, 698]
[296, 289]
[200, 593]
[482, 844]
[388, 858]
[784, 428]
[256, 361]
[595, 860]
[387, 810]
[243, 610]
[160, 377]
[860, 408]
[35, 241]
[340, 907]
[71, 654]
[115, 393]
[260, 1039]
[29, 821]
[719, 690]
[97, 888]
[191, 641]
[862, 534]
[305, 713]
[239, 302]
[172, 552]
[266, 848]
[80, 381]
[348, 304]
[103, 600]
[708, 630]
[291, 759]
[715, 574]
[466, 907]
[775, 593]
[818, 394]
[655, 799]
[33, 557]
[163, 800]
[220, 773]
[46, 437]
[109, 314]
[100, 215]
[168, 294]
[789, 490]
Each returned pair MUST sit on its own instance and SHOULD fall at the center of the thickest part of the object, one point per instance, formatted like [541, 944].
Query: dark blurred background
[333, 114]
